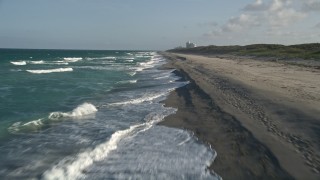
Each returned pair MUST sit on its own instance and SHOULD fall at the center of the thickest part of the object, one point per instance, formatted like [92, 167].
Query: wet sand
[262, 117]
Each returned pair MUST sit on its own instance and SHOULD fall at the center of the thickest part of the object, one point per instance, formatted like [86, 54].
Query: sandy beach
[262, 117]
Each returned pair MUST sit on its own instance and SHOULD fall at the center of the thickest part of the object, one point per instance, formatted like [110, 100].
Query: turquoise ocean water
[67, 114]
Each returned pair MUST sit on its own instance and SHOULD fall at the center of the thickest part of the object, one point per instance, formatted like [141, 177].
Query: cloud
[311, 6]
[268, 15]
[213, 33]
[282, 33]
[236, 24]
[276, 12]
[258, 5]
[280, 15]
[277, 5]
[269, 21]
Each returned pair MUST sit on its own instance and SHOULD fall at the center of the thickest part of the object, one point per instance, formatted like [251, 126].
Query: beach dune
[261, 117]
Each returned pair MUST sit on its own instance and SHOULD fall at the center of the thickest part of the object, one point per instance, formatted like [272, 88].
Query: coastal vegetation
[300, 51]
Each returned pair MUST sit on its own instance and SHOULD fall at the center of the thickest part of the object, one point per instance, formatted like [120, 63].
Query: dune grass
[299, 51]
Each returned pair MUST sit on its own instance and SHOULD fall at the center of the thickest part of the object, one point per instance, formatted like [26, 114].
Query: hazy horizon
[155, 25]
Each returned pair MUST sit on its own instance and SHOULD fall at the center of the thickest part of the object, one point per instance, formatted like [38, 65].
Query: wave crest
[145, 98]
[19, 63]
[82, 110]
[72, 59]
[37, 62]
[73, 168]
[26, 127]
[46, 71]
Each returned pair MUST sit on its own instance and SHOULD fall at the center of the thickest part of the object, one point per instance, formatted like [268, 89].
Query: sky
[155, 24]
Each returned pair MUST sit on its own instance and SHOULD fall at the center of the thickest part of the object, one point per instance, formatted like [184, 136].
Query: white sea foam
[163, 77]
[159, 153]
[149, 64]
[186, 140]
[72, 59]
[35, 123]
[128, 58]
[111, 67]
[129, 81]
[109, 63]
[144, 65]
[138, 69]
[22, 63]
[15, 70]
[29, 126]
[105, 58]
[72, 168]
[110, 57]
[36, 62]
[145, 98]
[89, 59]
[48, 62]
[132, 73]
[57, 63]
[19, 63]
[46, 71]
[101, 58]
[82, 110]
[14, 127]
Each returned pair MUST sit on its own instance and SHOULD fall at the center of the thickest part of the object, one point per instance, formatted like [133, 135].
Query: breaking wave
[128, 58]
[23, 63]
[72, 168]
[145, 98]
[59, 63]
[37, 62]
[72, 59]
[132, 73]
[82, 110]
[79, 112]
[26, 127]
[85, 159]
[133, 81]
[49, 63]
[144, 65]
[128, 81]
[101, 58]
[50, 70]
[19, 63]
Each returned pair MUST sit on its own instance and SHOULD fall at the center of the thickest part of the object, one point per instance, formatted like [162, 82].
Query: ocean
[71, 114]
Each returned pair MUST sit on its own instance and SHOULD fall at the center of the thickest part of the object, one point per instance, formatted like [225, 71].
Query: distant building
[190, 45]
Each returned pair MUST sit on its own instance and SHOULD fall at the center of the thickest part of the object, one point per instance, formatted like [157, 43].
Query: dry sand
[262, 117]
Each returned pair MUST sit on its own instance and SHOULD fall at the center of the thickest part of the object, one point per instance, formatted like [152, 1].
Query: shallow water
[92, 115]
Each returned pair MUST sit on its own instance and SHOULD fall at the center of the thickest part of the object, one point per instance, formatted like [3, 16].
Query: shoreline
[238, 122]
